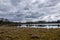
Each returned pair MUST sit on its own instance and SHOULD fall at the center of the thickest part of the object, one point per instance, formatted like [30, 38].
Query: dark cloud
[15, 2]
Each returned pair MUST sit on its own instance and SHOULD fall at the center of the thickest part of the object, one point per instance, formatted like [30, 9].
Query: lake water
[40, 26]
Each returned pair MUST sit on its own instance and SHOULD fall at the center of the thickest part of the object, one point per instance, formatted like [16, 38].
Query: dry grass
[7, 33]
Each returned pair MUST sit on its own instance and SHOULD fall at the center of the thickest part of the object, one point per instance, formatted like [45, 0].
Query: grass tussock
[29, 34]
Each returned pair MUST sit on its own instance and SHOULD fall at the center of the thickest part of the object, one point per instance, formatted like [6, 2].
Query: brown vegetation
[7, 33]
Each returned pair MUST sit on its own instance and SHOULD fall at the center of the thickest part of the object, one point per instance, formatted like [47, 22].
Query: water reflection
[40, 26]
[48, 26]
[43, 26]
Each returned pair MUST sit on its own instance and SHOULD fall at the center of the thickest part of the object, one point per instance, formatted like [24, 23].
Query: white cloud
[24, 10]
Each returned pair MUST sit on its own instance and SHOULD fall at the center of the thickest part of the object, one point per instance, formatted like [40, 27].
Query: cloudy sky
[30, 10]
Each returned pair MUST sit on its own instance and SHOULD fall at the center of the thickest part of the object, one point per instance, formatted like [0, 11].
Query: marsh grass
[11, 33]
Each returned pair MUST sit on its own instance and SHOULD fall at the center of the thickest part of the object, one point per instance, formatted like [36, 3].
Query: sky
[30, 10]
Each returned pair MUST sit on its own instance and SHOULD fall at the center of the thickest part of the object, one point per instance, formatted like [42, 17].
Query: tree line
[7, 22]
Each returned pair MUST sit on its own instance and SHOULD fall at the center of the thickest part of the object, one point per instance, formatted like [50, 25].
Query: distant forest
[7, 22]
